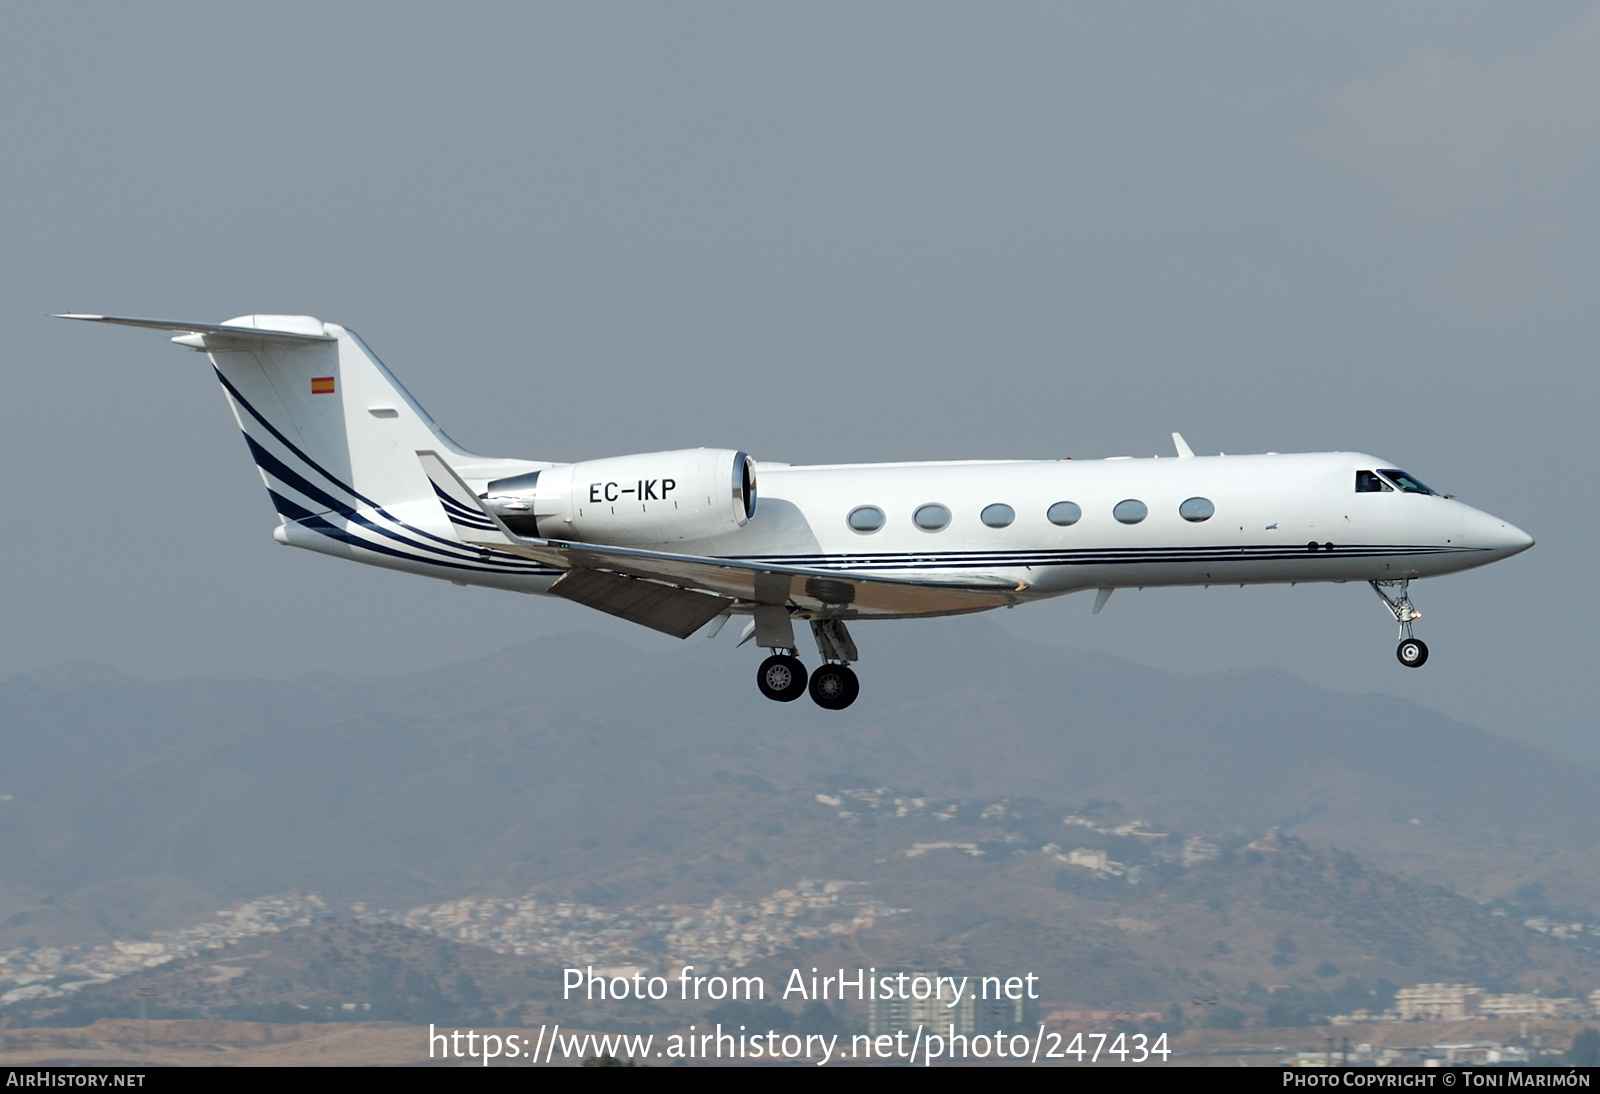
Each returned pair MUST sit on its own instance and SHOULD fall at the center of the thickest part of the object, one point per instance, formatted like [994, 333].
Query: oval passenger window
[1131, 511]
[1064, 513]
[867, 518]
[997, 515]
[931, 518]
[1197, 510]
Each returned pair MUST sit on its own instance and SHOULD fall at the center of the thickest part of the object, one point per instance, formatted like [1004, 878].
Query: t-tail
[329, 426]
[335, 438]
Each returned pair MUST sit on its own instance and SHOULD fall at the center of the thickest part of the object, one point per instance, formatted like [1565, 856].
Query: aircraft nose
[1488, 532]
[1516, 539]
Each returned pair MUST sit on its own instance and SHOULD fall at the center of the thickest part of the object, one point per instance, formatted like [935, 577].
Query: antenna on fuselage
[1184, 451]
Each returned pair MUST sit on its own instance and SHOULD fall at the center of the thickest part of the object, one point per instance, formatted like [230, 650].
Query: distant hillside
[311, 974]
[1106, 913]
[133, 803]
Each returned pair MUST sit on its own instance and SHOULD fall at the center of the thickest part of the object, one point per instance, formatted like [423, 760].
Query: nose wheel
[782, 678]
[1413, 653]
[1396, 596]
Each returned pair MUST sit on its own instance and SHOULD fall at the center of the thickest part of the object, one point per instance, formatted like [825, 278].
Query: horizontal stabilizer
[670, 610]
[234, 330]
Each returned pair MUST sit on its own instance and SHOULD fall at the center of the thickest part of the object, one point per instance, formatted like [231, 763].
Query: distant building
[1197, 850]
[1479, 1052]
[1452, 1002]
[1529, 1006]
[1094, 860]
[972, 1014]
[1438, 1002]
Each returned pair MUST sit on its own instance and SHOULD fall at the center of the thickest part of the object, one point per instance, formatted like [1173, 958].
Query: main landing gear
[1412, 651]
[834, 687]
[782, 677]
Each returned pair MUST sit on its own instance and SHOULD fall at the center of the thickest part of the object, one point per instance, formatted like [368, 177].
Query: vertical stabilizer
[336, 438]
[328, 425]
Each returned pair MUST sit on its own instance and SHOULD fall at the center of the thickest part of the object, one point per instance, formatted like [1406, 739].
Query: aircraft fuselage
[683, 540]
[1266, 513]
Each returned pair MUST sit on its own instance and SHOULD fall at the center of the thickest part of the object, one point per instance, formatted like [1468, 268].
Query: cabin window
[1130, 511]
[997, 515]
[1064, 513]
[1197, 510]
[865, 518]
[931, 518]
[1368, 482]
[1404, 482]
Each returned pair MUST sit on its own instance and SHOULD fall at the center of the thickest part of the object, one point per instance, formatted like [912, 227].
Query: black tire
[855, 686]
[834, 687]
[1412, 653]
[781, 678]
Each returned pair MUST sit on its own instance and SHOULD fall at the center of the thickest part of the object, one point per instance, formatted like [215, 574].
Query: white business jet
[678, 540]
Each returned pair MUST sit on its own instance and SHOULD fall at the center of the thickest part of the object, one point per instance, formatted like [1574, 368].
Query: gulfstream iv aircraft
[678, 541]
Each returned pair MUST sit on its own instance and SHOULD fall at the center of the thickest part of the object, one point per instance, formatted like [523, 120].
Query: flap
[663, 608]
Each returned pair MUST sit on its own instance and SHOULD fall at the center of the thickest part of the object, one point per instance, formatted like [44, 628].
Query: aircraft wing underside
[678, 594]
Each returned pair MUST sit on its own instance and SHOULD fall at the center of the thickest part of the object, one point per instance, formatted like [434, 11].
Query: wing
[719, 582]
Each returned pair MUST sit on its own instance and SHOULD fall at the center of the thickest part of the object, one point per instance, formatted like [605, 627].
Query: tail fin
[328, 425]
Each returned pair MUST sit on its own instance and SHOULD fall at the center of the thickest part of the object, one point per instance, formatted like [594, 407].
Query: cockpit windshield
[1368, 482]
[1406, 483]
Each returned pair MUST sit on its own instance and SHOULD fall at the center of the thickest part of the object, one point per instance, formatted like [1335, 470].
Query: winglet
[473, 523]
[1184, 451]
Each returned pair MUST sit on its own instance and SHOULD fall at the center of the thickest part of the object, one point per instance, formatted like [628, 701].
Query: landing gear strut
[1412, 651]
[834, 686]
[781, 677]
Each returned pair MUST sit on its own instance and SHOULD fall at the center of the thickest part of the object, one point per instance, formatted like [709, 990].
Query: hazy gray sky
[846, 232]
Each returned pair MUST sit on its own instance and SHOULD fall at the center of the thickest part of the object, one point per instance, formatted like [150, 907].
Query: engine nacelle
[654, 498]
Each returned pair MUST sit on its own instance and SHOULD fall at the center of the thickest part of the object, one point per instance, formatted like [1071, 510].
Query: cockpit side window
[1406, 483]
[1368, 482]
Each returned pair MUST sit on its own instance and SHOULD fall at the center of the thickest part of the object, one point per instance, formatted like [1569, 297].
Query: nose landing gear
[1412, 651]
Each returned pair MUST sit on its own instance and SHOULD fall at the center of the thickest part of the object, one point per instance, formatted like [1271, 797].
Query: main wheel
[1413, 653]
[781, 678]
[834, 687]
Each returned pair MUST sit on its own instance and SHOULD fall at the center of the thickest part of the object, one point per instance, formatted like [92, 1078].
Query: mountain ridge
[425, 784]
